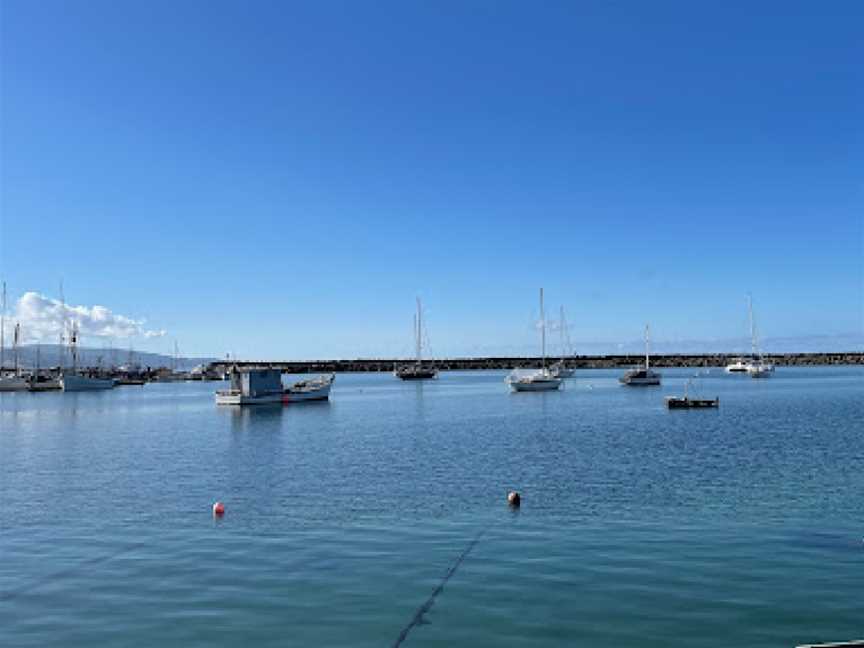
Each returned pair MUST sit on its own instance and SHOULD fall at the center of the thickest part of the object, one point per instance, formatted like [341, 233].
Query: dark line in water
[427, 605]
[65, 573]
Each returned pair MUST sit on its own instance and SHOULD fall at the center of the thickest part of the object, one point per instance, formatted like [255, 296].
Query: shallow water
[639, 526]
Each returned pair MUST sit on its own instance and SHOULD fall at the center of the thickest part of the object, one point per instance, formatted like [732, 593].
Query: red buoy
[218, 509]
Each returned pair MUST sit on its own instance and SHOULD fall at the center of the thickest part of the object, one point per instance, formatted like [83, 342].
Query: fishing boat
[417, 370]
[685, 402]
[77, 380]
[642, 376]
[560, 368]
[758, 367]
[264, 386]
[542, 379]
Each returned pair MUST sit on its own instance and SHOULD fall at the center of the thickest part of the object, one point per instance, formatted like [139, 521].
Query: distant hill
[49, 356]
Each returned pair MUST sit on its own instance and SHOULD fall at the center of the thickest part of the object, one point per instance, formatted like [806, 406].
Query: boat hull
[12, 384]
[286, 396]
[677, 402]
[563, 372]
[45, 385]
[652, 381]
[536, 385]
[75, 383]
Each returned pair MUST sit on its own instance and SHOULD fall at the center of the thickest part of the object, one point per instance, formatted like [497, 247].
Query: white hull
[289, 395]
[12, 384]
[542, 380]
[560, 371]
[737, 367]
[546, 384]
[74, 382]
[760, 370]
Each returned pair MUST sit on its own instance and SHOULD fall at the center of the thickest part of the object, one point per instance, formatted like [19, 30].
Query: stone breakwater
[578, 362]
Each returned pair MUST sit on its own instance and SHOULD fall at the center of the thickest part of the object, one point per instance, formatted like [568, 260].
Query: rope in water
[417, 619]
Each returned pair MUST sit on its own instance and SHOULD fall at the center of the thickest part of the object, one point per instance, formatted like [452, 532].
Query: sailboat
[75, 380]
[543, 379]
[560, 368]
[417, 370]
[642, 376]
[15, 382]
[757, 367]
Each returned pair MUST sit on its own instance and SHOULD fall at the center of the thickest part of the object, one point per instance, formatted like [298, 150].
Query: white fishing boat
[642, 376]
[76, 380]
[560, 368]
[758, 367]
[541, 379]
[417, 370]
[264, 386]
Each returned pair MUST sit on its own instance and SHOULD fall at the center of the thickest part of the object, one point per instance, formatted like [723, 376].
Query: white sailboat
[542, 379]
[758, 367]
[417, 370]
[642, 376]
[560, 368]
[75, 380]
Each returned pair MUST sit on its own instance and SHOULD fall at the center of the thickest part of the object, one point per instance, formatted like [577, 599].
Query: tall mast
[73, 345]
[3, 330]
[418, 330]
[752, 326]
[15, 348]
[542, 328]
[61, 351]
[646, 347]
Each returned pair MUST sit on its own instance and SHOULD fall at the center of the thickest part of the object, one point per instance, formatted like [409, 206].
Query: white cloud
[42, 318]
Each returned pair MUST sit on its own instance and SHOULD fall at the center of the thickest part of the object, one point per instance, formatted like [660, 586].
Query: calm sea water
[639, 526]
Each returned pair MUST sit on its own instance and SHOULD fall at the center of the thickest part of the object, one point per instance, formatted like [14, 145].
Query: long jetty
[578, 362]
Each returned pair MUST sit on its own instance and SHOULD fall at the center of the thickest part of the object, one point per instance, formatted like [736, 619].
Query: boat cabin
[256, 382]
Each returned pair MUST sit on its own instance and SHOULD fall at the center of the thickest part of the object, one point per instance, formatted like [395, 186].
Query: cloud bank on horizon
[42, 319]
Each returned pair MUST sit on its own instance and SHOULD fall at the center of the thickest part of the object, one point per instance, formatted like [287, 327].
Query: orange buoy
[218, 509]
[513, 498]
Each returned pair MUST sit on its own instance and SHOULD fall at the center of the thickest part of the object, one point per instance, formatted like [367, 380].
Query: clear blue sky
[281, 179]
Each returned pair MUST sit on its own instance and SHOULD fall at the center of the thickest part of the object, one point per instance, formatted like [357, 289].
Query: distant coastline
[579, 362]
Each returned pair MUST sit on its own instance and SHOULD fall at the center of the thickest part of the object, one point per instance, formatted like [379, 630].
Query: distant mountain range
[49, 356]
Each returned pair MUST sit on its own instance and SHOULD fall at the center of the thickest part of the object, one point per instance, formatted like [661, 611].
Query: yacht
[560, 368]
[543, 379]
[758, 367]
[264, 386]
[417, 370]
[641, 376]
[738, 365]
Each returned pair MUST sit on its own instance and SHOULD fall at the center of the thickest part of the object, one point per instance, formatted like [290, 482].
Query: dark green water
[639, 526]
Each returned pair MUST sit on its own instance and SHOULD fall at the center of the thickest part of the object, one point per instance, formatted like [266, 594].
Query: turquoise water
[639, 526]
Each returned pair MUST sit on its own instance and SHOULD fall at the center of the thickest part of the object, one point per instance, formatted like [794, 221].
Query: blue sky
[281, 179]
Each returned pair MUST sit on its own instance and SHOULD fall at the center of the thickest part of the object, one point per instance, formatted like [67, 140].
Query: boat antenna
[753, 347]
[418, 330]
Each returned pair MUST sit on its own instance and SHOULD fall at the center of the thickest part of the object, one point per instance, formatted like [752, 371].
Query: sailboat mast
[3, 330]
[61, 350]
[418, 331]
[646, 347]
[752, 326]
[15, 348]
[542, 328]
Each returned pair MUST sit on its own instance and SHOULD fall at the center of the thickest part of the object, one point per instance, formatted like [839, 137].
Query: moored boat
[738, 365]
[417, 370]
[263, 386]
[542, 379]
[641, 376]
[686, 402]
